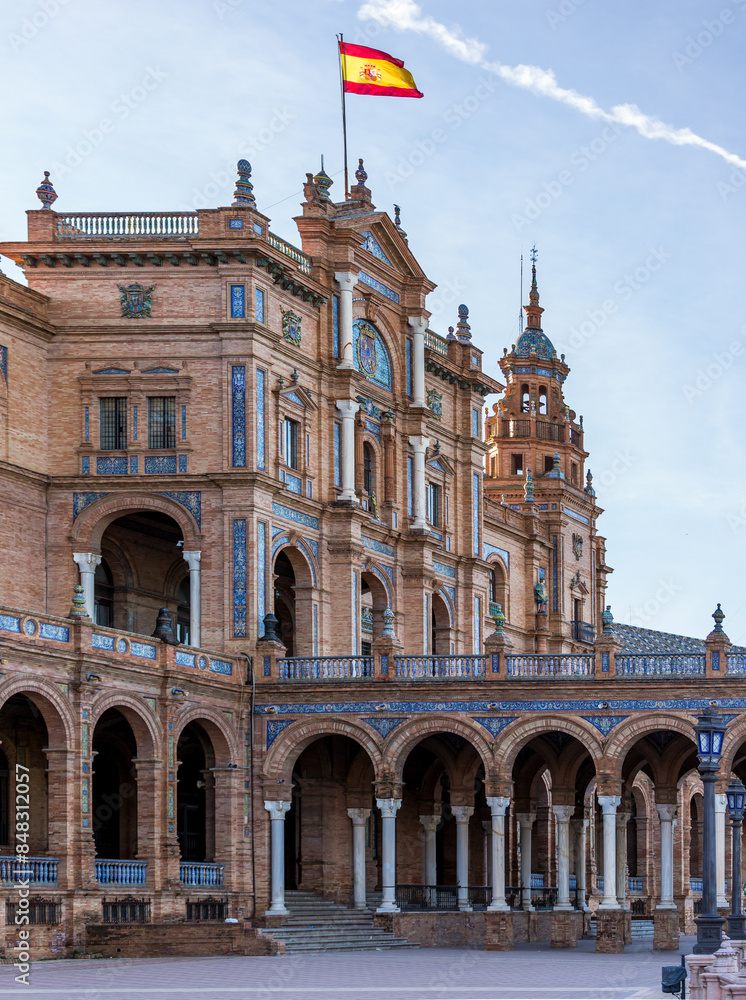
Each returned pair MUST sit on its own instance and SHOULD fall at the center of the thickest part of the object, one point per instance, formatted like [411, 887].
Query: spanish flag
[370, 71]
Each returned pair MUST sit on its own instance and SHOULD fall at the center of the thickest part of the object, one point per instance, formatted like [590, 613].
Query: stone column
[347, 281]
[359, 818]
[87, 563]
[192, 559]
[498, 804]
[580, 829]
[419, 325]
[666, 812]
[526, 821]
[389, 809]
[622, 818]
[462, 815]
[419, 501]
[429, 826]
[721, 804]
[348, 408]
[563, 814]
[609, 805]
[277, 811]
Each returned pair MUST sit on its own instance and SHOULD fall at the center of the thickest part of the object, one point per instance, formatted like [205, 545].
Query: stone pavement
[531, 971]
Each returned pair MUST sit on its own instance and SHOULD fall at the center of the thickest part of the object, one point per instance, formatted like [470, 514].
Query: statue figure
[540, 593]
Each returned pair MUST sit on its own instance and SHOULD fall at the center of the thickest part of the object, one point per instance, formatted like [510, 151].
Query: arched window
[525, 399]
[369, 484]
[493, 587]
[182, 613]
[103, 599]
[542, 399]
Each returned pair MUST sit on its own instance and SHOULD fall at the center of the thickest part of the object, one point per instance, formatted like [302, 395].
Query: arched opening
[498, 589]
[141, 556]
[195, 796]
[542, 399]
[525, 399]
[373, 602]
[293, 601]
[369, 470]
[695, 843]
[183, 612]
[441, 638]
[4, 801]
[114, 787]
[25, 736]
[285, 602]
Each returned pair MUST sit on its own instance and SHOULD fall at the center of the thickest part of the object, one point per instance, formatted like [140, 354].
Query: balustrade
[736, 663]
[193, 873]
[39, 871]
[160, 225]
[430, 667]
[436, 343]
[661, 665]
[301, 259]
[110, 872]
[564, 665]
[324, 668]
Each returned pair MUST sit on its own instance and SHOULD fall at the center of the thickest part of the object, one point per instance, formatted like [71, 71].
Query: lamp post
[736, 802]
[710, 729]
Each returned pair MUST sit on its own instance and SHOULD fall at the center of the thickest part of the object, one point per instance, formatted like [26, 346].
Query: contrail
[405, 15]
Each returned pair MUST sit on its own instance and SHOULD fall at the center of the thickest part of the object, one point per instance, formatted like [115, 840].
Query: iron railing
[40, 911]
[208, 909]
[547, 431]
[128, 910]
[583, 631]
[440, 897]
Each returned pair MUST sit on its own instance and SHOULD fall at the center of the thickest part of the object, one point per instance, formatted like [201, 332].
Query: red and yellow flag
[370, 71]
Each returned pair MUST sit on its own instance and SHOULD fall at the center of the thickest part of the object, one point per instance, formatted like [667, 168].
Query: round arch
[301, 558]
[51, 703]
[292, 741]
[735, 737]
[403, 739]
[224, 741]
[374, 570]
[630, 731]
[91, 523]
[145, 726]
[515, 736]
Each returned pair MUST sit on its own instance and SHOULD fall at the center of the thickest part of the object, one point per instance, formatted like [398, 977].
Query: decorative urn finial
[589, 484]
[323, 182]
[718, 614]
[388, 623]
[397, 223]
[360, 175]
[78, 609]
[500, 621]
[46, 193]
[463, 330]
[164, 628]
[607, 620]
[270, 629]
[243, 196]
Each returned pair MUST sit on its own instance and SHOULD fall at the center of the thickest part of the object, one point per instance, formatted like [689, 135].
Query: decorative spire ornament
[323, 182]
[243, 196]
[463, 330]
[78, 609]
[360, 175]
[528, 489]
[397, 223]
[589, 484]
[607, 620]
[718, 614]
[46, 193]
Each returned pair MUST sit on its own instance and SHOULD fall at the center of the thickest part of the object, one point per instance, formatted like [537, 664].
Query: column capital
[498, 804]
[721, 802]
[609, 803]
[462, 814]
[526, 819]
[579, 825]
[563, 813]
[346, 280]
[358, 816]
[192, 558]
[419, 442]
[418, 323]
[277, 809]
[666, 811]
[389, 807]
[430, 822]
[347, 407]
[87, 561]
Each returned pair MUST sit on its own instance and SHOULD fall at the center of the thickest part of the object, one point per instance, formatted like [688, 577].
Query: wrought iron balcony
[583, 632]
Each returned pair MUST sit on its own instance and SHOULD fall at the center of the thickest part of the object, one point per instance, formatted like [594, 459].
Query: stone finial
[360, 175]
[504, 500]
[451, 334]
[397, 223]
[243, 196]
[164, 628]
[607, 620]
[46, 193]
[270, 629]
[463, 330]
[323, 182]
[78, 609]
[528, 489]
[388, 623]
[718, 614]
[500, 621]
[589, 484]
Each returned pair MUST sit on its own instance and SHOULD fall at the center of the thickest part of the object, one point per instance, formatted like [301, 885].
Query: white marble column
[666, 812]
[563, 814]
[192, 559]
[389, 809]
[277, 811]
[580, 829]
[87, 563]
[348, 408]
[359, 818]
[419, 497]
[609, 805]
[526, 823]
[622, 818]
[419, 326]
[721, 804]
[429, 826]
[498, 804]
[462, 815]
[347, 281]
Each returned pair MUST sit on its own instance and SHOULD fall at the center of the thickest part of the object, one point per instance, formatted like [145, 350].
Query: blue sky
[147, 105]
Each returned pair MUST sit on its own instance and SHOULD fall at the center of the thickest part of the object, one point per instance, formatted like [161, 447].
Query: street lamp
[736, 802]
[710, 729]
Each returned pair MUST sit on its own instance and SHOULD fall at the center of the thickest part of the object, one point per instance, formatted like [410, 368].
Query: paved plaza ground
[531, 971]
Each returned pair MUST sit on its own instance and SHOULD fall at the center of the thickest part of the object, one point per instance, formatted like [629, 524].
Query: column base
[277, 911]
[467, 908]
[667, 906]
[610, 904]
[346, 366]
[388, 908]
[498, 907]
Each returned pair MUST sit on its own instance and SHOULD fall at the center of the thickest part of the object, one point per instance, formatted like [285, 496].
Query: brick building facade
[390, 668]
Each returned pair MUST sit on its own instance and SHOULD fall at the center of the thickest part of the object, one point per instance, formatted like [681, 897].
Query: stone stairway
[317, 924]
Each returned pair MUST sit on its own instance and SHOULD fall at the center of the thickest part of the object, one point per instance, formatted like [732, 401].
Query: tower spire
[533, 295]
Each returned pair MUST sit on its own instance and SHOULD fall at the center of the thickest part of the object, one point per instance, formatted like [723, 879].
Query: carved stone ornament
[291, 327]
[136, 301]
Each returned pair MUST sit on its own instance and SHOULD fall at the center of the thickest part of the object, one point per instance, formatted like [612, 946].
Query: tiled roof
[647, 640]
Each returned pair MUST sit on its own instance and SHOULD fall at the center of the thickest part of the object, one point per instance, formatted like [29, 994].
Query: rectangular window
[113, 423]
[290, 442]
[410, 477]
[475, 422]
[337, 447]
[433, 504]
[162, 422]
[259, 305]
[517, 464]
[409, 367]
[335, 325]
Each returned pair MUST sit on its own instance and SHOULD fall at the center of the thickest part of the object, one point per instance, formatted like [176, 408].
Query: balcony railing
[436, 343]
[670, 665]
[301, 259]
[583, 631]
[429, 667]
[192, 873]
[736, 663]
[127, 225]
[39, 871]
[695, 884]
[121, 872]
[564, 665]
[547, 431]
[517, 428]
[324, 668]
[440, 897]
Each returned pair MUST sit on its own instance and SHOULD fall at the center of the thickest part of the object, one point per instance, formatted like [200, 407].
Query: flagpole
[344, 110]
